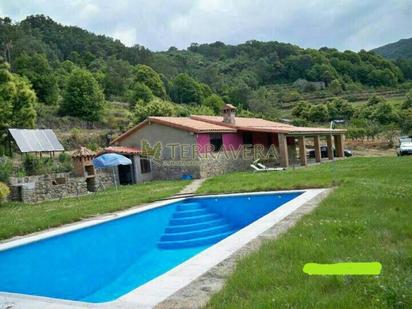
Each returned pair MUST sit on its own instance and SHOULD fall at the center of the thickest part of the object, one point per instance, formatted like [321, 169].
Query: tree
[24, 112]
[83, 96]
[407, 104]
[263, 102]
[37, 69]
[201, 110]
[214, 102]
[339, 108]
[239, 93]
[116, 77]
[322, 72]
[156, 107]
[406, 121]
[318, 113]
[385, 113]
[301, 110]
[17, 100]
[335, 87]
[186, 90]
[375, 100]
[149, 77]
[141, 92]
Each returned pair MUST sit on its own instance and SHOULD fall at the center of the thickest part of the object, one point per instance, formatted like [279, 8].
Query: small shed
[141, 168]
[36, 141]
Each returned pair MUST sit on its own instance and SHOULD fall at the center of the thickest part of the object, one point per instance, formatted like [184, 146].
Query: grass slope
[367, 218]
[19, 219]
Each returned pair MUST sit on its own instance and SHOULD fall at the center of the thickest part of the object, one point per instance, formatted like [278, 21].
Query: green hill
[398, 50]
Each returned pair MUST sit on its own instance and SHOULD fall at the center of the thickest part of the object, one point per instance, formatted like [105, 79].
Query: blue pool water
[105, 261]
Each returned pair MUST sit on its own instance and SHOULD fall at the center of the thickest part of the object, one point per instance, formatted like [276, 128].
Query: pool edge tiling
[165, 285]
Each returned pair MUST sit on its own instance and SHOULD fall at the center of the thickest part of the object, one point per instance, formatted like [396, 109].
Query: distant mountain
[398, 50]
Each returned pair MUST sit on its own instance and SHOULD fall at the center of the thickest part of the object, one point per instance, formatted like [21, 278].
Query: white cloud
[126, 36]
[159, 24]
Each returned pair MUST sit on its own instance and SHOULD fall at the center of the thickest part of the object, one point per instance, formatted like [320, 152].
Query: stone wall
[206, 165]
[35, 189]
[221, 164]
[105, 179]
[169, 169]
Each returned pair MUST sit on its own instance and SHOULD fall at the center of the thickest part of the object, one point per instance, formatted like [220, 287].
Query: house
[202, 146]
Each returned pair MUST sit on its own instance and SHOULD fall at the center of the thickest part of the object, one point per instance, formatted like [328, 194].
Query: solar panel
[36, 140]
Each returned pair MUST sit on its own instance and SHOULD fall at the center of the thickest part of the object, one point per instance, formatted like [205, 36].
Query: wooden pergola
[334, 138]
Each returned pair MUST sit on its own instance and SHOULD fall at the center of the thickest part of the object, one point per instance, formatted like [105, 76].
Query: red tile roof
[249, 124]
[262, 125]
[209, 124]
[191, 124]
[122, 150]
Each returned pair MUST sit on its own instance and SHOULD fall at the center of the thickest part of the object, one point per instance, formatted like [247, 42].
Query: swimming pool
[105, 261]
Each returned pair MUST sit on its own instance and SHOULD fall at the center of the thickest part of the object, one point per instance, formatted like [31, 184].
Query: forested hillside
[401, 53]
[75, 73]
[398, 50]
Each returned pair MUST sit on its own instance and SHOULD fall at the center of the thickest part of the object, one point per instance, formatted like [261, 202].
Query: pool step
[194, 225]
[187, 243]
[193, 219]
[189, 206]
[196, 233]
[190, 213]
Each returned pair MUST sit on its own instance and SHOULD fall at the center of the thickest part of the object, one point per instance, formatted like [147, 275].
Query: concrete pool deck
[191, 283]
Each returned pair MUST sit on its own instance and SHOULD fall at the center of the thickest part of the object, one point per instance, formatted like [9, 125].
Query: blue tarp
[111, 160]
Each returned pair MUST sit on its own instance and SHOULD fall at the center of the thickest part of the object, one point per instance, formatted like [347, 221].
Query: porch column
[339, 145]
[330, 147]
[302, 151]
[283, 151]
[316, 142]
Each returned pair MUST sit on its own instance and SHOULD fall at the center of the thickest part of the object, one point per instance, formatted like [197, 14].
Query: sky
[160, 24]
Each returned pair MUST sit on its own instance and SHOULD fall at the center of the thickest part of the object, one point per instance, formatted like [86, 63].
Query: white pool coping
[158, 289]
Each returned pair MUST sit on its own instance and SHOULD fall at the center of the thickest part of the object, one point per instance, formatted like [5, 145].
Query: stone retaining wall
[35, 189]
[221, 164]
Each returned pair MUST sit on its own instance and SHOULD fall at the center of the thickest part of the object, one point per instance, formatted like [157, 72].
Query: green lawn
[19, 219]
[368, 218]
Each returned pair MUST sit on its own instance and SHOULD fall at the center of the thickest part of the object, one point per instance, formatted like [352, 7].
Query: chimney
[229, 112]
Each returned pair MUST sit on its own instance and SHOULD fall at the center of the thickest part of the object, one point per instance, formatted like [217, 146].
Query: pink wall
[202, 140]
[232, 141]
[235, 140]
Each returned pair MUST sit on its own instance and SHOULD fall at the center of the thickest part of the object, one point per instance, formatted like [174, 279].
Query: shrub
[6, 168]
[37, 166]
[4, 191]
[291, 96]
[64, 163]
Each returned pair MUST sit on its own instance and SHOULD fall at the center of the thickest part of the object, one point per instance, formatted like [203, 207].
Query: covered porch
[335, 142]
[292, 146]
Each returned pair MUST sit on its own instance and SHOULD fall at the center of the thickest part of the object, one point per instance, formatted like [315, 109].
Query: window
[247, 138]
[145, 165]
[216, 141]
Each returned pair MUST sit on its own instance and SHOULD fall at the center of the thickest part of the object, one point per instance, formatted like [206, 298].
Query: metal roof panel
[36, 140]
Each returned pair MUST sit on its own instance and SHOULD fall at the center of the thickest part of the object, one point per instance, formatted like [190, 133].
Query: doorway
[126, 173]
